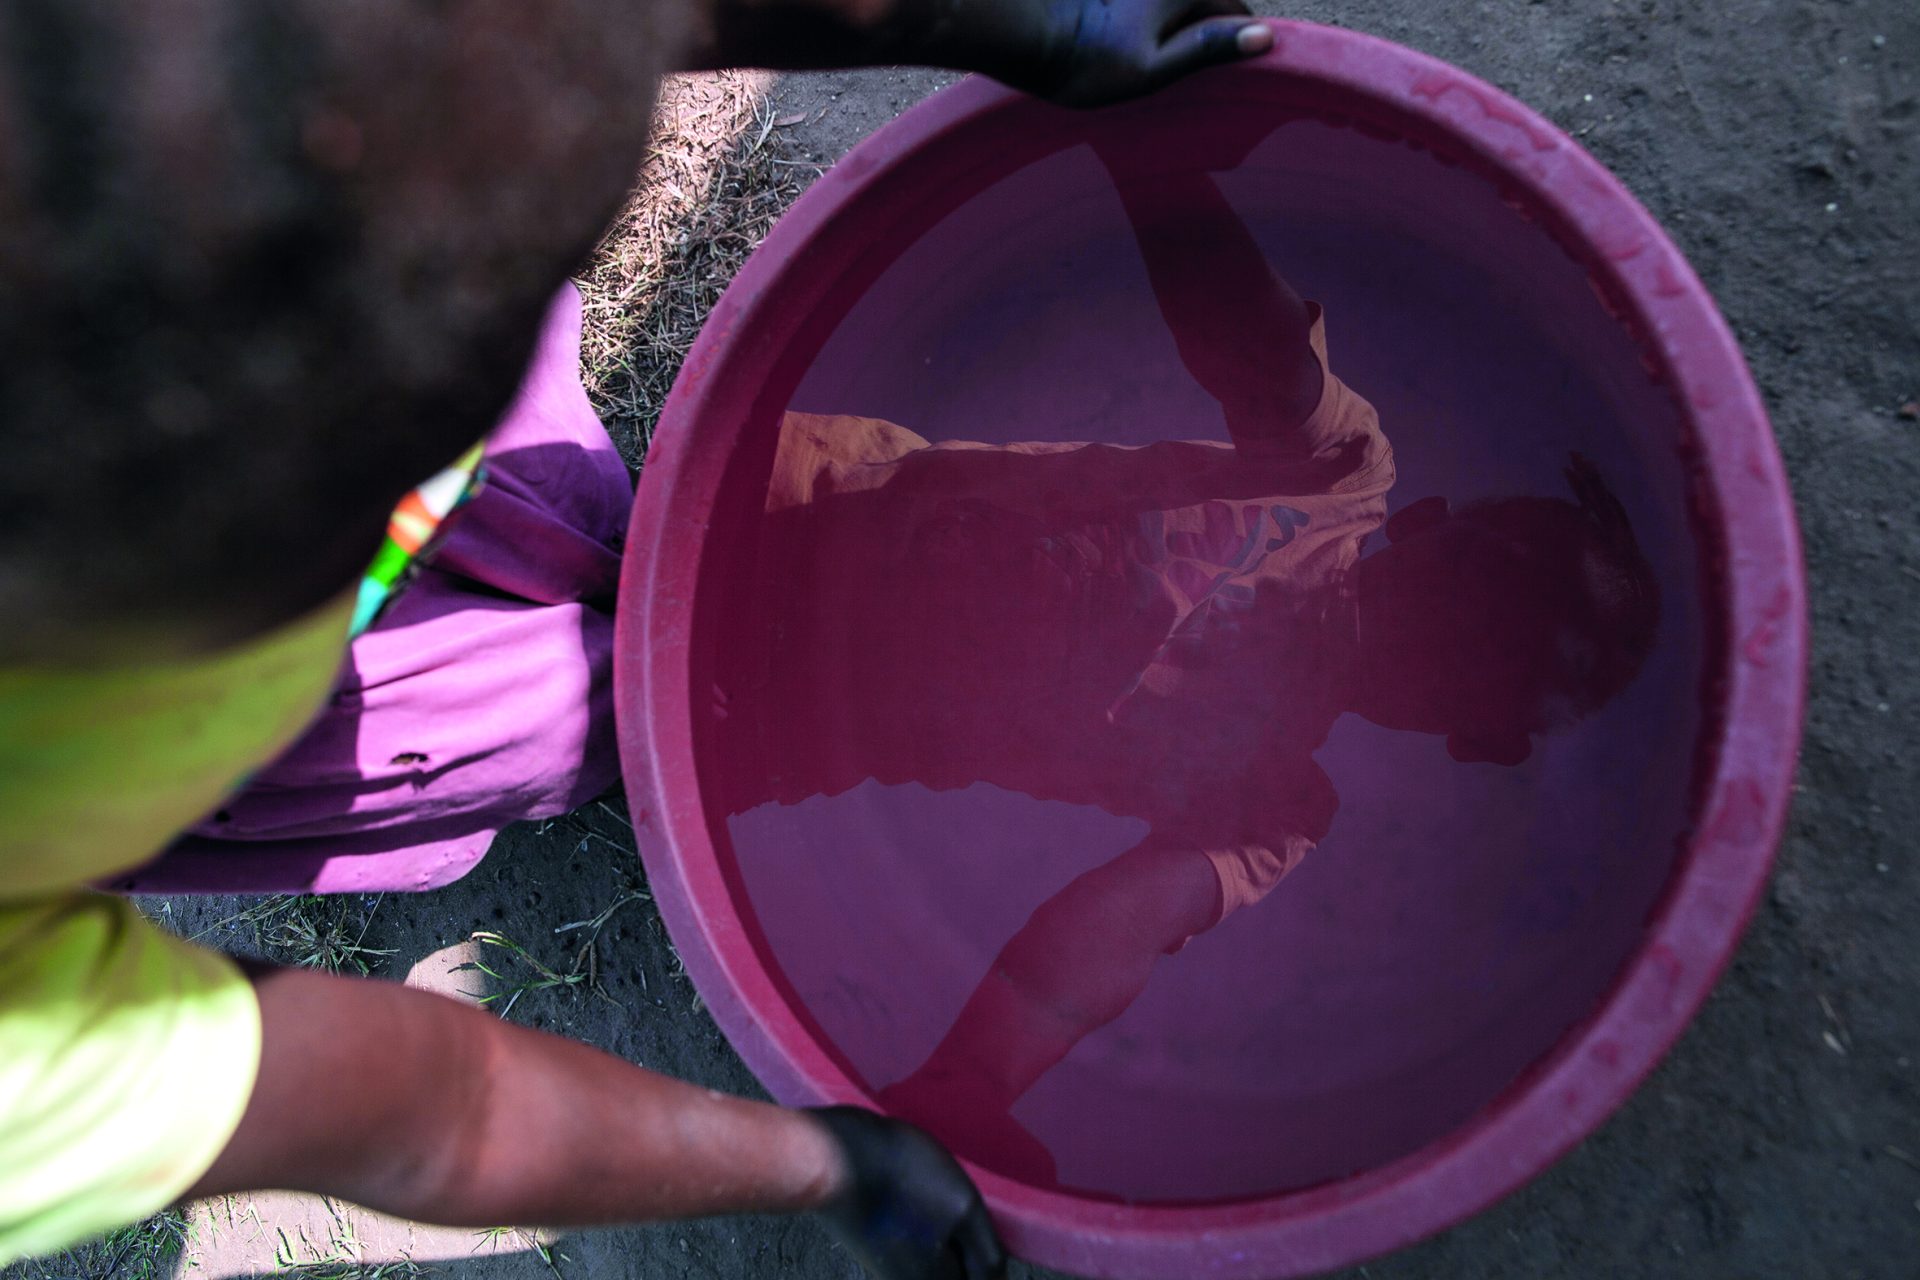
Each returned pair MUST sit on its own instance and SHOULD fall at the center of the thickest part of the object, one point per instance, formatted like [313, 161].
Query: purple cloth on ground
[481, 697]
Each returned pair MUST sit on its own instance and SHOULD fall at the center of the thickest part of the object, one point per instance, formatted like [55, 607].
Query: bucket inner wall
[1023, 639]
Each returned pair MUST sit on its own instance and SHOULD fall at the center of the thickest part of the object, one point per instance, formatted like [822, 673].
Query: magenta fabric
[481, 697]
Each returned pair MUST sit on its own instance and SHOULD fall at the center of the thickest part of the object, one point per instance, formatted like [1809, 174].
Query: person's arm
[1082, 957]
[1241, 329]
[414, 1104]
[1080, 52]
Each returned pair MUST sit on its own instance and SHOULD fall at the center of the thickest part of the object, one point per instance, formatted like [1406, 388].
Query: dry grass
[713, 185]
[148, 1250]
[306, 931]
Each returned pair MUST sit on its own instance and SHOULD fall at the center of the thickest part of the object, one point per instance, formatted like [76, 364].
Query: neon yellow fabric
[126, 1059]
[126, 1055]
[100, 768]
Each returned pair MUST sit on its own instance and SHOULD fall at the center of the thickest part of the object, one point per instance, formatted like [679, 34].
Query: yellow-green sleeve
[126, 1059]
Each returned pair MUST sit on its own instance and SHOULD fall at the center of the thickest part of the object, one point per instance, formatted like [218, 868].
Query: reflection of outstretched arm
[1241, 330]
[1078, 962]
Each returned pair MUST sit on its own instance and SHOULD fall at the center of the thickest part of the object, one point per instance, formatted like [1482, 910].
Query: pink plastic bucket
[1636, 929]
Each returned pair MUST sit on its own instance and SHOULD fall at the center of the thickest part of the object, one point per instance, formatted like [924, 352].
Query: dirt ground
[1779, 141]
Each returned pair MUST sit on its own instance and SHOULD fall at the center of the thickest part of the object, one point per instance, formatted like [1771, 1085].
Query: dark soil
[1777, 140]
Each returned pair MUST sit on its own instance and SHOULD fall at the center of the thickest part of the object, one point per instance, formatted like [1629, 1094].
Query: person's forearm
[1085, 52]
[801, 35]
[808, 34]
[416, 1105]
[1082, 957]
[1241, 330]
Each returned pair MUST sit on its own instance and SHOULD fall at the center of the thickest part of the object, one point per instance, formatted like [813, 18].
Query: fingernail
[1255, 37]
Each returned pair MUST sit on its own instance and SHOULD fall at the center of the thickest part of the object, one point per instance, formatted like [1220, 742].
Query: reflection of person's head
[1508, 618]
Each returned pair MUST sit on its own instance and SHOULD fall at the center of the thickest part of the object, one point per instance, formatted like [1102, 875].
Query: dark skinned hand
[1082, 53]
[910, 1211]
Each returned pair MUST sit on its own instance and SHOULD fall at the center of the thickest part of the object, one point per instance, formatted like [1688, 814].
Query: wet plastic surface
[1051, 648]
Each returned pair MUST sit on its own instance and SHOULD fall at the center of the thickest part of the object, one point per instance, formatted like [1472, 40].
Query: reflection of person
[267, 266]
[1166, 632]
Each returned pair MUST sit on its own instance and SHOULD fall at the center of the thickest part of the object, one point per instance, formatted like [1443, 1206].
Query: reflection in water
[1166, 633]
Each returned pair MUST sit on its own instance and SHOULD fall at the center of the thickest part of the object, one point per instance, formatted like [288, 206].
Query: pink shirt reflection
[1157, 631]
[1165, 632]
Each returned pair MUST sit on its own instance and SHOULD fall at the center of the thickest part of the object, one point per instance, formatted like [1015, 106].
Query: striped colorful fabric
[410, 529]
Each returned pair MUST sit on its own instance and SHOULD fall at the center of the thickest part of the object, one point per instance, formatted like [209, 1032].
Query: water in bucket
[1213, 694]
